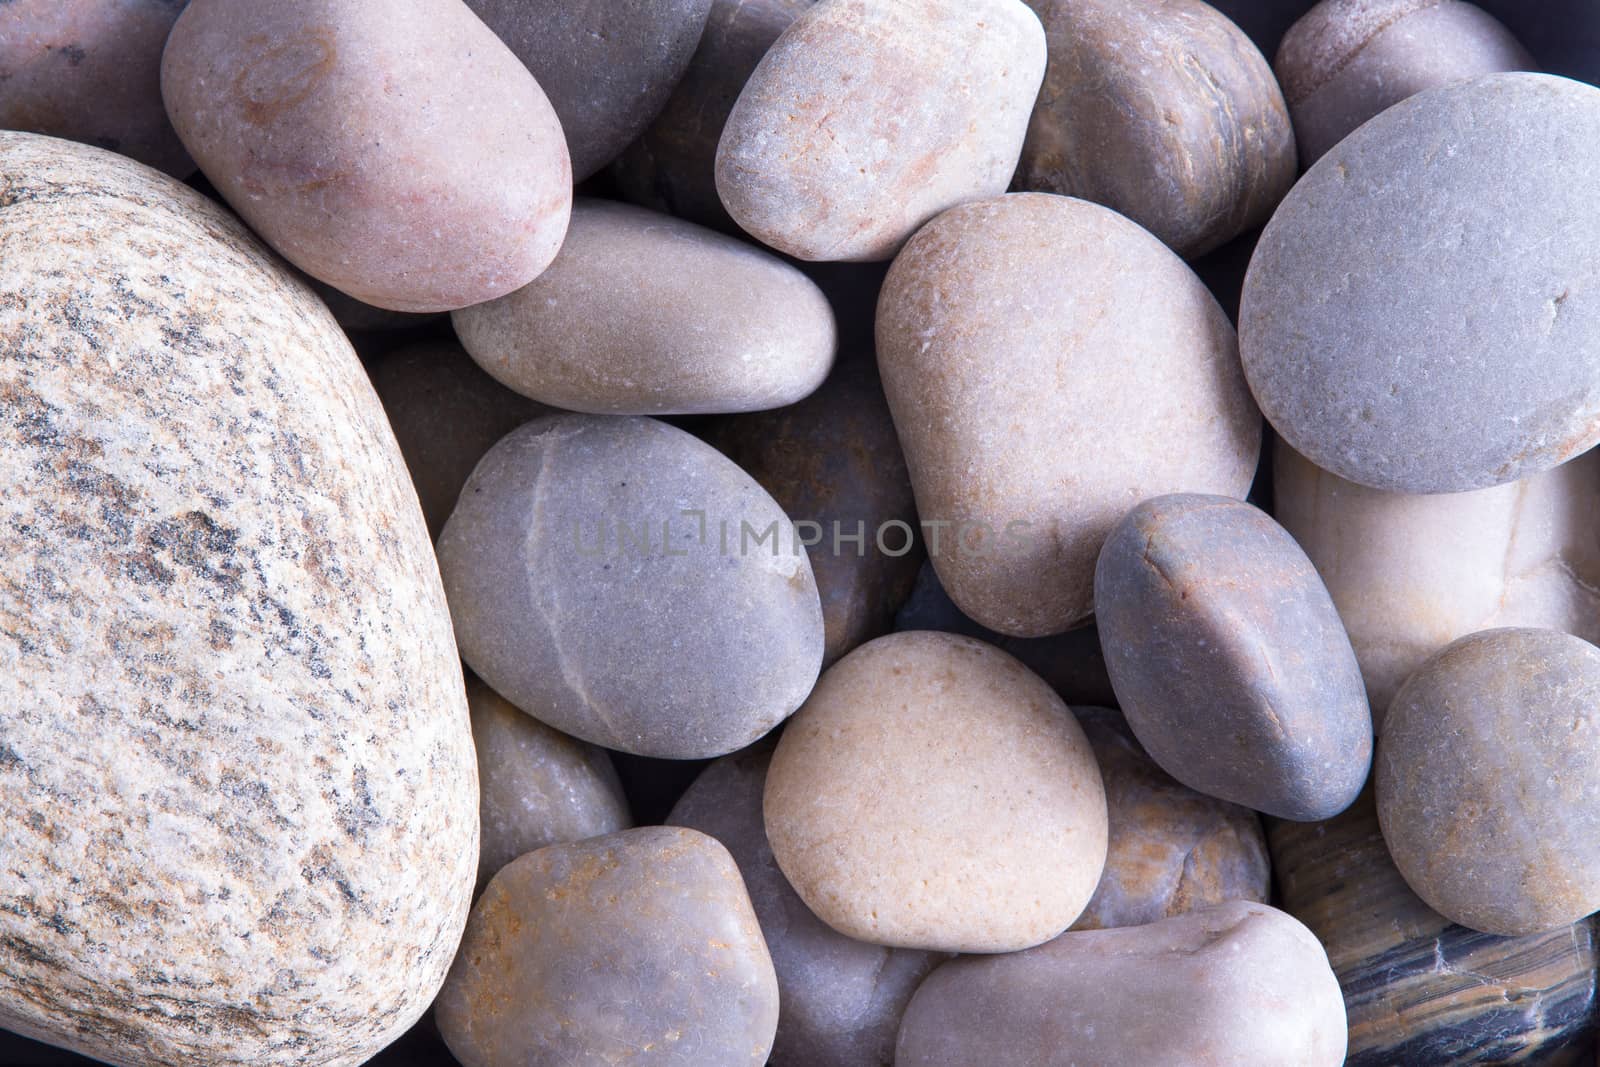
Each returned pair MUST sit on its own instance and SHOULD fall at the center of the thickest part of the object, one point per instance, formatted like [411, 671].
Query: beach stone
[608, 66]
[1449, 223]
[840, 1000]
[446, 413]
[644, 314]
[1417, 987]
[1236, 983]
[1409, 573]
[1164, 112]
[90, 70]
[602, 580]
[1347, 60]
[863, 121]
[672, 166]
[238, 801]
[1035, 414]
[1228, 657]
[1170, 850]
[933, 793]
[537, 786]
[639, 945]
[370, 157]
[1488, 776]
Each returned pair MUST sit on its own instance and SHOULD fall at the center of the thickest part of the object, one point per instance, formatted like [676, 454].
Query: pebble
[639, 946]
[1035, 414]
[1165, 113]
[1488, 779]
[1228, 657]
[935, 794]
[426, 199]
[236, 775]
[1448, 224]
[863, 121]
[605, 577]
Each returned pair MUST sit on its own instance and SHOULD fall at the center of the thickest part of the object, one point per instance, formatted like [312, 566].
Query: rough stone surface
[1238, 983]
[237, 793]
[416, 172]
[537, 786]
[1046, 410]
[1423, 312]
[1488, 780]
[1409, 574]
[1163, 111]
[1170, 850]
[1347, 60]
[935, 794]
[608, 66]
[90, 70]
[840, 1000]
[866, 119]
[1229, 659]
[586, 591]
[639, 946]
[644, 314]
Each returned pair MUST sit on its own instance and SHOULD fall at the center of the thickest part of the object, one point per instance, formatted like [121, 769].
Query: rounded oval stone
[933, 793]
[644, 314]
[412, 173]
[1164, 112]
[1035, 413]
[1488, 781]
[840, 1000]
[1236, 983]
[1423, 312]
[639, 945]
[1347, 60]
[235, 764]
[865, 120]
[605, 577]
[1228, 657]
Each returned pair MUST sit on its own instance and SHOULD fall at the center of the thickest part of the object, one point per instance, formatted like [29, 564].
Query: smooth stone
[672, 166]
[640, 945]
[864, 121]
[1046, 410]
[446, 413]
[644, 314]
[1418, 988]
[1164, 112]
[933, 793]
[416, 174]
[1448, 224]
[1170, 850]
[1238, 983]
[537, 786]
[1409, 574]
[1347, 60]
[237, 787]
[1488, 779]
[90, 71]
[586, 592]
[1228, 657]
[840, 1000]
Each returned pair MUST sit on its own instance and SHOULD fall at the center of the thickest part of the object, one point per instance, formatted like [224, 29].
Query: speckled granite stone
[238, 801]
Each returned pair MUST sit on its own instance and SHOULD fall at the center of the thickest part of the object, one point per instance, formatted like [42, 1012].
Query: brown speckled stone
[416, 171]
[238, 801]
[638, 947]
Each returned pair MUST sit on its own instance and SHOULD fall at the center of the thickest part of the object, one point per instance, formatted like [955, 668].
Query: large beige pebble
[868, 117]
[1049, 364]
[395, 150]
[645, 314]
[934, 793]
